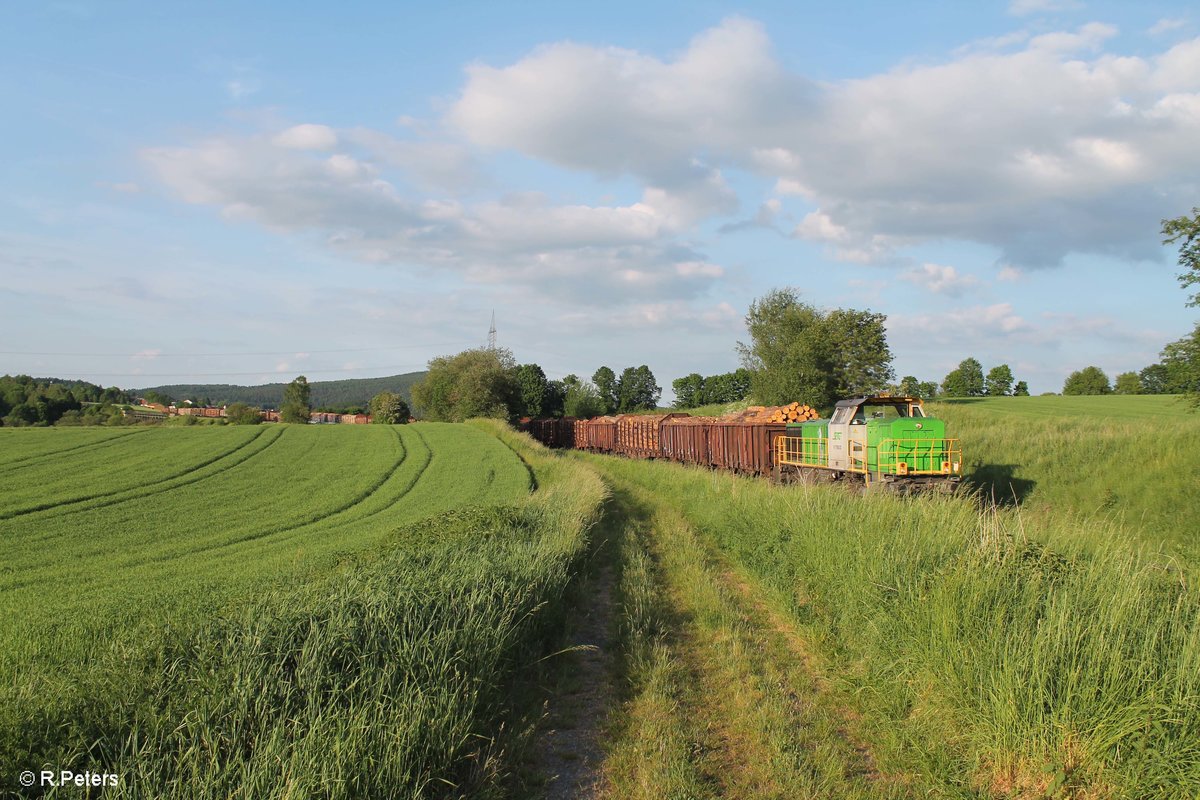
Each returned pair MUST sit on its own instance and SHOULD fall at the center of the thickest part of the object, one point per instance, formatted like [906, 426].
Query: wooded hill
[349, 392]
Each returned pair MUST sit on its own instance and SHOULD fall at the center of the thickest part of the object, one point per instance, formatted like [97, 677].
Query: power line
[276, 353]
[297, 368]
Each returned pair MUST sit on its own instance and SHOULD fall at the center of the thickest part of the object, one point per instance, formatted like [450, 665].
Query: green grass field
[973, 653]
[1130, 459]
[267, 611]
[1107, 407]
[345, 611]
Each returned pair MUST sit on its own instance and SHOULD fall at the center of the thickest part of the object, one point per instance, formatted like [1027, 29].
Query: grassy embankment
[335, 612]
[1128, 459]
[963, 652]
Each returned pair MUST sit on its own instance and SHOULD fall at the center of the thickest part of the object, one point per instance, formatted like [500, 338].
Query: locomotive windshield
[858, 415]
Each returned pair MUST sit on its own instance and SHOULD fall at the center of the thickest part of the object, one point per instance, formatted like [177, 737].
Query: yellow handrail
[922, 456]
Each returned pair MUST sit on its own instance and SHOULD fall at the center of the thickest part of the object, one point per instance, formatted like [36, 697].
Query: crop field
[252, 610]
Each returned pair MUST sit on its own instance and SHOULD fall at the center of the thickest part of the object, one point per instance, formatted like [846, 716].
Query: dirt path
[567, 753]
[750, 714]
[697, 686]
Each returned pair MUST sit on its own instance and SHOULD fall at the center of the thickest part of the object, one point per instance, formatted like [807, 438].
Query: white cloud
[1165, 25]
[940, 279]
[1036, 146]
[604, 254]
[1052, 148]
[307, 137]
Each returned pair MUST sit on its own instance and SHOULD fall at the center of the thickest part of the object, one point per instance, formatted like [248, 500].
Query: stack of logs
[792, 412]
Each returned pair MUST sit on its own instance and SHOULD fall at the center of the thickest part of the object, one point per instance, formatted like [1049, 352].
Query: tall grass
[1001, 653]
[387, 676]
[1139, 471]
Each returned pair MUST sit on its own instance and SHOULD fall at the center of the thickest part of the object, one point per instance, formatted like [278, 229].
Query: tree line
[28, 401]
[488, 382]
[694, 390]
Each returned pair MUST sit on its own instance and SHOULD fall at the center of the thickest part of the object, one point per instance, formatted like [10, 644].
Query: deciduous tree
[242, 414]
[999, 380]
[858, 352]
[798, 353]
[1186, 231]
[605, 381]
[1181, 366]
[532, 389]
[965, 381]
[389, 408]
[1128, 383]
[296, 405]
[582, 401]
[1089, 380]
[474, 383]
[688, 390]
[637, 390]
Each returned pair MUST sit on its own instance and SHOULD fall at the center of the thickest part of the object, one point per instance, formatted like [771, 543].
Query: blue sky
[219, 193]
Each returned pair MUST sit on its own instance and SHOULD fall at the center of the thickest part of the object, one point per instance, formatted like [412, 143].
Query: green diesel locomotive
[882, 442]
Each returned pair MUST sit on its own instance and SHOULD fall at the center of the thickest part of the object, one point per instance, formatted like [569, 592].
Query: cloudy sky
[220, 192]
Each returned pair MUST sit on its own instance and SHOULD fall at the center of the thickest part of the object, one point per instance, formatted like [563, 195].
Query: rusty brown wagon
[638, 435]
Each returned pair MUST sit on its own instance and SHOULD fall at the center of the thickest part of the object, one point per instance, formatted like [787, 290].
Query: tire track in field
[44, 537]
[293, 531]
[39, 457]
[123, 495]
[294, 528]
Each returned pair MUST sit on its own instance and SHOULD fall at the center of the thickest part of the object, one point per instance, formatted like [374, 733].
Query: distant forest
[333, 394]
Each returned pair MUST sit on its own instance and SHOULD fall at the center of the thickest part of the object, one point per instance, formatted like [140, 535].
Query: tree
[474, 383]
[688, 390]
[927, 390]
[1181, 366]
[153, 396]
[389, 408]
[909, 386]
[1186, 230]
[1153, 379]
[1021, 389]
[555, 399]
[798, 353]
[605, 381]
[582, 401]
[242, 414]
[532, 389]
[965, 381]
[1089, 380]
[1128, 383]
[637, 390]
[999, 380]
[858, 352]
[296, 406]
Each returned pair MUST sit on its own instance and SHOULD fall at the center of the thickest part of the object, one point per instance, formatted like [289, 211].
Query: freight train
[877, 442]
